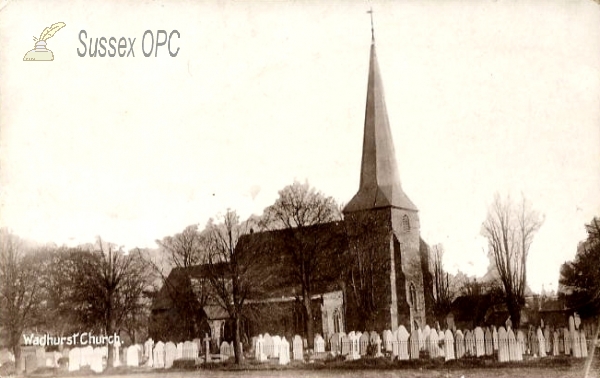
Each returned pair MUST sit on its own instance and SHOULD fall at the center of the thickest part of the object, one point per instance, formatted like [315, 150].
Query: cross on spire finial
[370, 11]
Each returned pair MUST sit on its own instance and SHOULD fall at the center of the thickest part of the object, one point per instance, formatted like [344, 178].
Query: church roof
[379, 177]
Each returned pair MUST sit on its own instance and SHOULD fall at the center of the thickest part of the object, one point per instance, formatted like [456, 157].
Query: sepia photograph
[300, 188]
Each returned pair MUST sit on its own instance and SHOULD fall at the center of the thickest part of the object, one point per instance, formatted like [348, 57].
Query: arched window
[414, 301]
[337, 321]
[405, 223]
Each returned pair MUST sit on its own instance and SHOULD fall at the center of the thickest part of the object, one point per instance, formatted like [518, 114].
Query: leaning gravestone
[74, 359]
[170, 354]
[132, 356]
[503, 351]
[284, 352]
[479, 342]
[415, 345]
[449, 345]
[297, 348]
[403, 343]
[460, 344]
[489, 343]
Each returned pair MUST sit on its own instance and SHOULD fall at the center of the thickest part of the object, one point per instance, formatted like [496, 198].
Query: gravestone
[346, 345]
[567, 341]
[541, 343]
[179, 351]
[448, 345]
[495, 338]
[189, 351]
[584, 351]
[469, 343]
[86, 355]
[432, 344]
[158, 355]
[132, 356]
[259, 352]
[503, 351]
[514, 350]
[403, 336]
[425, 338]
[170, 354]
[533, 342]
[334, 342]
[149, 351]
[206, 348]
[479, 342]
[276, 344]
[387, 340]
[415, 345]
[521, 343]
[441, 342]
[96, 362]
[319, 344]
[74, 359]
[363, 344]
[297, 351]
[373, 337]
[224, 351]
[116, 353]
[269, 345]
[576, 344]
[548, 339]
[395, 345]
[489, 343]
[198, 343]
[378, 347]
[284, 352]
[460, 344]
[355, 352]
[555, 343]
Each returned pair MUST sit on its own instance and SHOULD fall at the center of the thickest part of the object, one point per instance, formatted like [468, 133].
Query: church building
[389, 282]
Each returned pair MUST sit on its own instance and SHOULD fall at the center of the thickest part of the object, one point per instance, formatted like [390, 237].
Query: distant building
[380, 223]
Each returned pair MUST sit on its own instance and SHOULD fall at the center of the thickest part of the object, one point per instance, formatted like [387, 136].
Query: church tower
[385, 288]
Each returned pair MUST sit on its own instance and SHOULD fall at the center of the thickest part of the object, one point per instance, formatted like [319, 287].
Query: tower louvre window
[405, 223]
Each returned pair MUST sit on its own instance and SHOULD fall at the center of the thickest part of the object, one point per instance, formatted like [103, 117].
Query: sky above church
[482, 97]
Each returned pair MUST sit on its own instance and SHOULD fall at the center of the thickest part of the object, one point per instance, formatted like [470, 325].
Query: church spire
[379, 179]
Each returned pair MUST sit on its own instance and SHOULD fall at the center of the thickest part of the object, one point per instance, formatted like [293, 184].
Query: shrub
[184, 364]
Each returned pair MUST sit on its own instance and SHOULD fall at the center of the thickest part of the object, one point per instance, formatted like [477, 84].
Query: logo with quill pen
[40, 52]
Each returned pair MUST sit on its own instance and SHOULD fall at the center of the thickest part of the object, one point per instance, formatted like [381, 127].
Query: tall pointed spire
[379, 178]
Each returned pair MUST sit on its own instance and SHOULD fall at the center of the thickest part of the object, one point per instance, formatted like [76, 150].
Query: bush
[63, 361]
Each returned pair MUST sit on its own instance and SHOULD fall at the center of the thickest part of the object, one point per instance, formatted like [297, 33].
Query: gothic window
[405, 223]
[337, 321]
[414, 302]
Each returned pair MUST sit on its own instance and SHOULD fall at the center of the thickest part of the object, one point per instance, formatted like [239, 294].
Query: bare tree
[20, 291]
[183, 249]
[510, 229]
[235, 264]
[442, 290]
[308, 252]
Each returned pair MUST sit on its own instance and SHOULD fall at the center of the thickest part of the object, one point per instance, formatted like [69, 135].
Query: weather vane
[370, 12]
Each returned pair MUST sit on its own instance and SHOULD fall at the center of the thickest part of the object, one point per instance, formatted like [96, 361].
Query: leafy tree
[510, 228]
[580, 278]
[307, 252]
[21, 292]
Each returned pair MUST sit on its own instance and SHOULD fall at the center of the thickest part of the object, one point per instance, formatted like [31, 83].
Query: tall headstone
[460, 344]
[269, 345]
[284, 352]
[158, 355]
[470, 343]
[495, 338]
[415, 345]
[541, 343]
[387, 340]
[346, 345]
[514, 350]
[334, 342]
[206, 348]
[555, 343]
[149, 352]
[363, 344]
[583, 341]
[479, 342]
[179, 351]
[449, 345]
[170, 354]
[297, 348]
[503, 351]
[432, 344]
[489, 342]
[576, 344]
[259, 350]
[521, 343]
[403, 337]
[567, 341]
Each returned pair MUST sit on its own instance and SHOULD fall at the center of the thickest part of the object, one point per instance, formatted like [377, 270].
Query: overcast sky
[483, 97]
